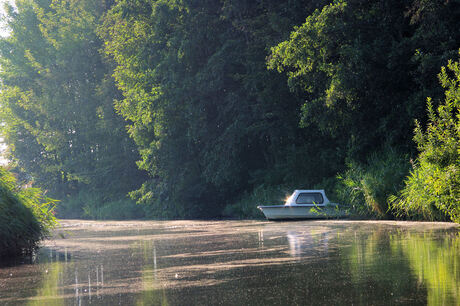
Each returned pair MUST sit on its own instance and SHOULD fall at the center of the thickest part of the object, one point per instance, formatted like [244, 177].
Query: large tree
[209, 119]
[363, 68]
[363, 65]
[57, 101]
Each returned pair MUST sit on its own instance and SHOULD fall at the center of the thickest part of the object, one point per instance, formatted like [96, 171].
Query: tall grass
[26, 216]
[367, 187]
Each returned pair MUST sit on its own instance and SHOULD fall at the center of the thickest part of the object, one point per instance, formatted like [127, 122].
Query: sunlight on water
[240, 262]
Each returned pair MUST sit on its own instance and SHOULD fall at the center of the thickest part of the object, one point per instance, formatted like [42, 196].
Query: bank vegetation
[204, 109]
[26, 217]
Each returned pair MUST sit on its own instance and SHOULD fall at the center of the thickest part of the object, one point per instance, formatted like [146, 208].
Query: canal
[239, 263]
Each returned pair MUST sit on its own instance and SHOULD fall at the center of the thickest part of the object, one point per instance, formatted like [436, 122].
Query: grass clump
[26, 216]
[366, 188]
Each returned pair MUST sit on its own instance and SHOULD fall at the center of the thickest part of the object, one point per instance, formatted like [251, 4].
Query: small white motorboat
[303, 204]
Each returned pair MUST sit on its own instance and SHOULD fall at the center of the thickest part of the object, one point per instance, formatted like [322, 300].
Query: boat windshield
[309, 198]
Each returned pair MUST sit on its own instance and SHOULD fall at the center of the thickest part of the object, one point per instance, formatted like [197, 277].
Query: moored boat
[303, 204]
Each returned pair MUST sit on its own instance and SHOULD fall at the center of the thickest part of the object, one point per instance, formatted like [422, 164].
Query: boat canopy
[307, 197]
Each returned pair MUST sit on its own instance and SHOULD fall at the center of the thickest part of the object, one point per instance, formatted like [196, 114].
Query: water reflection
[52, 268]
[152, 294]
[60, 279]
[50, 291]
[308, 243]
[244, 262]
[436, 263]
[415, 266]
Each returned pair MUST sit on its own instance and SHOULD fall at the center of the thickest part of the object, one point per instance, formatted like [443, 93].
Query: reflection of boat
[303, 204]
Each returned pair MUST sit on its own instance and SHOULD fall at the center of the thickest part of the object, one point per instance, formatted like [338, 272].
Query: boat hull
[284, 212]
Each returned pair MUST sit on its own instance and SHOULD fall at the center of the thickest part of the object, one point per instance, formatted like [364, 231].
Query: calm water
[240, 263]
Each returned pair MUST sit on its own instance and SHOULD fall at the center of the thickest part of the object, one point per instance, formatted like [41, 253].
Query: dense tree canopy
[211, 123]
[207, 116]
[57, 101]
[362, 66]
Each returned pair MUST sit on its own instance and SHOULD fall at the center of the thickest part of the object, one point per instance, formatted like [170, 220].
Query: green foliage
[361, 67]
[57, 101]
[72, 207]
[209, 123]
[26, 216]
[346, 59]
[90, 205]
[366, 188]
[246, 206]
[343, 58]
[123, 209]
[432, 191]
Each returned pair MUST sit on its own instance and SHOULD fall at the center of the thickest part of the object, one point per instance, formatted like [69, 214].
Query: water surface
[240, 263]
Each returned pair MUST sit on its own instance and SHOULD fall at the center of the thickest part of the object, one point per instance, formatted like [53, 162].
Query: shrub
[72, 207]
[91, 205]
[26, 216]
[366, 188]
[432, 191]
[123, 209]
[246, 207]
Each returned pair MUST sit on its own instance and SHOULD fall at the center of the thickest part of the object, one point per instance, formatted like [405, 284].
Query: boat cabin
[307, 198]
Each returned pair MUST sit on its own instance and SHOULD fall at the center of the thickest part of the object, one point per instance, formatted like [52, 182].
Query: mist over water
[240, 262]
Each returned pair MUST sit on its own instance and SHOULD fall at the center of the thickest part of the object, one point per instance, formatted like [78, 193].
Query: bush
[123, 209]
[432, 191]
[367, 188]
[72, 207]
[246, 207]
[26, 216]
[91, 205]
